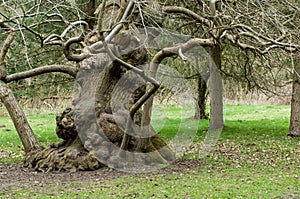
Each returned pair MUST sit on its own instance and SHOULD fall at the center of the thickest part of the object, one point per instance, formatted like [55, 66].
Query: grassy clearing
[252, 159]
[199, 183]
[11, 149]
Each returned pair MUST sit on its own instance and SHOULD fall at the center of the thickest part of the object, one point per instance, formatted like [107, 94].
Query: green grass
[11, 149]
[232, 183]
[252, 159]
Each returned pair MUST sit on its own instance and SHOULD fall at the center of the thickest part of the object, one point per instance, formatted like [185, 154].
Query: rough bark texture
[21, 124]
[295, 103]
[3, 52]
[201, 99]
[41, 70]
[2, 73]
[68, 155]
[114, 97]
[90, 13]
[215, 87]
[92, 139]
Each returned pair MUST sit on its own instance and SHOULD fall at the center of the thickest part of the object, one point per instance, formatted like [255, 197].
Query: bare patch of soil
[15, 176]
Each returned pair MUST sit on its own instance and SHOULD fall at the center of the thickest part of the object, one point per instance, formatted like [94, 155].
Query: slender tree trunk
[201, 99]
[295, 103]
[215, 87]
[21, 124]
[145, 142]
[90, 10]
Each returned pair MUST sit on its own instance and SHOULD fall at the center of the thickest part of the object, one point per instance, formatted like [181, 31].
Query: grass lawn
[11, 149]
[253, 158]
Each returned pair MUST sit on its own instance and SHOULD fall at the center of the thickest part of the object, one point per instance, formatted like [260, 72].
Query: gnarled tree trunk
[116, 92]
[68, 155]
[95, 128]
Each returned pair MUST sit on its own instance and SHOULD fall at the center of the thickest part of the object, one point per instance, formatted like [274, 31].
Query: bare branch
[21, 25]
[181, 10]
[71, 70]
[181, 55]
[93, 48]
[160, 56]
[72, 25]
[4, 26]
[260, 37]
[70, 56]
[6, 46]
[181, 48]
[3, 53]
[230, 22]
[100, 19]
[55, 39]
[266, 47]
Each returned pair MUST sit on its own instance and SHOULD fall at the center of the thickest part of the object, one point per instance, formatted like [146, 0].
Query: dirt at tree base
[14, 176]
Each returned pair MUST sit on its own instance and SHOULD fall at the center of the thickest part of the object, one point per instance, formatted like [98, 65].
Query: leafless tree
[83, 36]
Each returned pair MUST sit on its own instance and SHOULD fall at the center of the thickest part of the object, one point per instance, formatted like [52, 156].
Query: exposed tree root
[72, 155]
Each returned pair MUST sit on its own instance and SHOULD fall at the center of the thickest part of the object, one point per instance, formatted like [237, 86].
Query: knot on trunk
[65, 127]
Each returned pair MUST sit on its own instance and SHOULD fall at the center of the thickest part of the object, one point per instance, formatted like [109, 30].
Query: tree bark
[201, 99]
[41, 70]
[295, 103]
[68, 155]
[3, 52]
[90, 13]
[215, 87]
[21, 124]
[107, 93]
[156, 60]
[116, 92]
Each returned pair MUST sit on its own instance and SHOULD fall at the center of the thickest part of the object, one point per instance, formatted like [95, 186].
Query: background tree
[234, 24]
[294, 121]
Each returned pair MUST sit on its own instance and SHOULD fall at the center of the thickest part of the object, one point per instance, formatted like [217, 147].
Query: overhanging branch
[42, 70]
[185, 11]
[181, 48]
